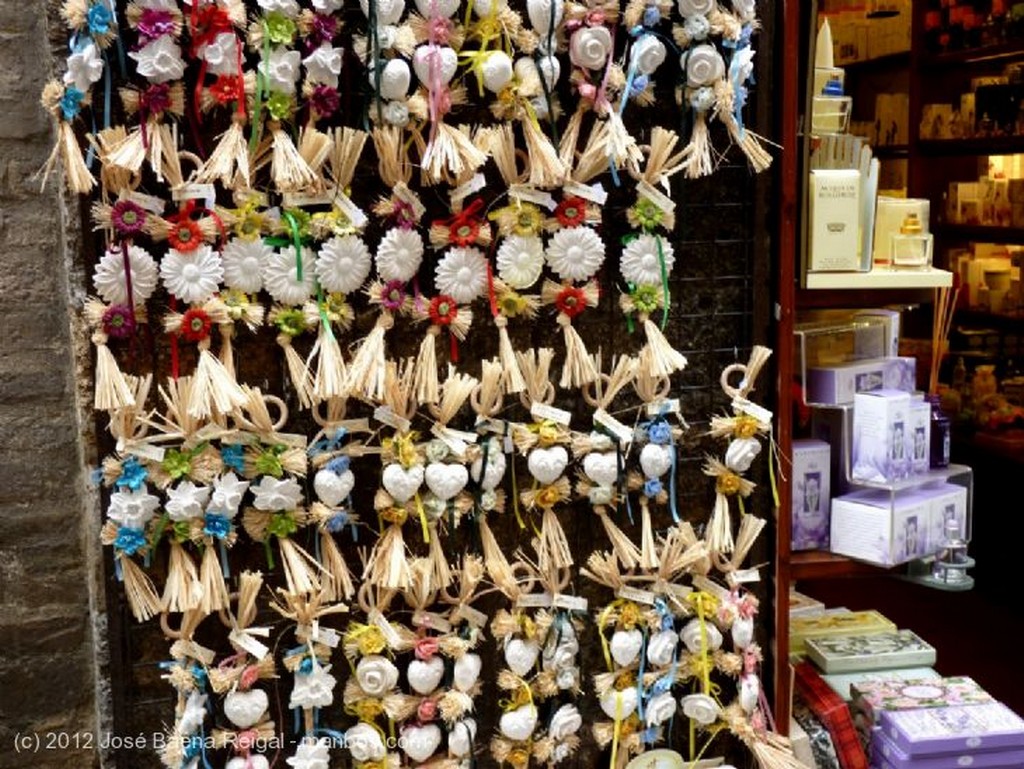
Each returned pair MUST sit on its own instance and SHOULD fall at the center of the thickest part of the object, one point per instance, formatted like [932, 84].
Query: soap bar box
[846, 684]
[837, 385]
[811, 469]
[871, 698]
[835, 242]
[846, 654]
[948, 501]
[880, 527]
[953, 730]
[920, 436]
[886, 755]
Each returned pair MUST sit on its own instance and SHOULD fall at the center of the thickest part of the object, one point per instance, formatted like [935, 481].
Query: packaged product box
[844, 683]
[803, 605]
[881, 446]
[835, 242]
[881, 527]
[832, 385]
[834, 425]
[886, 755]
[891, 323]
[870, 698]
[920, 433]
[877, 651]
[947, 501]
[833, 624]
[953, 730]
[810, 472]
[800, 743]
[831, 710]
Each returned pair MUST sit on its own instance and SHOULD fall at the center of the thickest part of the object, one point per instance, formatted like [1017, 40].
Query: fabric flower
[659, 709]
[314, 689]
[133, 474]
[689, 8]
[702, 99]
[323, 65]
[85, 67]
[191, 277]
[376, 675]
[185, 235]
[71, 102]
[701, 708]
[365, 743]
[195, 325]
[281, 70]
[243, 261]
[221, 54]
[228, 491]
[462, 274]
[118, 321]
[325, 100]
[399, 254]
[154, 23]
[272, 494]
[343, 264]
[280, 29]
[289, 8]
[133, 509]
[520, 260]
[130, 541]
[160, 60]
[109, 275]
[311, 754]
[186, 500]
[576, 253]
[571, 212]
[565, 722]
[645, 259]
[281, 279]
[128, 218]
[194, 714]
[647, 54]
[704, 66]
[590, 47]
[98, 17]
[697, 27]
[328, 6]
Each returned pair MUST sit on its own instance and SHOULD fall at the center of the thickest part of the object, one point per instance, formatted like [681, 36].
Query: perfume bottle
[951, 561]
[940, 437]
[911, 247]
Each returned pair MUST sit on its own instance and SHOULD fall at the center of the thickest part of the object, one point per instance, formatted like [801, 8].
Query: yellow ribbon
[714, 729]
[772, 459]
[705, 604]
[523, 696]
[618, 727]
[423, 519]
[367, 710]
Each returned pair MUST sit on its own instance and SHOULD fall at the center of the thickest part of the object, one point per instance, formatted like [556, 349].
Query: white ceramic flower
[186, 500]
[281, 277]
[697, 27]
[281, 69]
[289, 8]
[109, 275]
[741, 453]
[160, 60]
[85, 67]
[590, 47]
[575, 253]
[745, 9]
[221, 54]
[343, 264]
[194, 276]
[661, 648]
[376, 675]
[565, 722]
[395, 79]
[689, 8]
[311, 754]
[396, 113]
[641, 262]
[660, 709]
[193, 715]
[547, 67]
[698, 635]
[328, 6]
[133, 509]
[462, 274]
[567, 678]
[520, 260]
[647, 54]
[272, 494]
[388, 11]
[228, 491]
[365, 743]
[399, 254]
[242, 261]
[324, 65]
[545, 15]
[704, 66]
[314, 689]
[701, 708]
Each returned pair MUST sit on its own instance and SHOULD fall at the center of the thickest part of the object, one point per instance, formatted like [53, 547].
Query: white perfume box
[919, 435]
[948, 501]
[881, 449]
[811, 469]
[881, 527]
[835, 242]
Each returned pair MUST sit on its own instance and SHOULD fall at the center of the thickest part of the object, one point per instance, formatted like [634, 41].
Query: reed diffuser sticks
[942, 322]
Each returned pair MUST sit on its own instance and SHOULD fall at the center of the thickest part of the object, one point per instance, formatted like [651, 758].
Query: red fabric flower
[225, 88]
[426, 648]
[118, 322]
[195, 325]
[127, 217]
[571, 301]
[571, 212]
[464, 233]
[426, 711]
[185, 235]
[443, 310]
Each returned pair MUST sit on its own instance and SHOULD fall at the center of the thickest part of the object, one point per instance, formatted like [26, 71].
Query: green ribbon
[664, 282]
[261, 84]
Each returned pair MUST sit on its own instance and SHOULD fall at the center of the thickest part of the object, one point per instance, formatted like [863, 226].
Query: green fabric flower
[647, 299]
[279, 105]
[182, 531]
[269, 462]
[279, 28]
[177, 464]
[436, 451]
[647, 214]
[282, 525]
[302, 218]
[291, 322]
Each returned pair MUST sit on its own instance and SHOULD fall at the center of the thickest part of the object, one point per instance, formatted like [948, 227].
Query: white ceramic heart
[550, 69]
[431, 62]
[547, 465]
[388, 11]
[401, 483]
[493, 472]
[437, 8]
[425, 675]
[655, 460]
[544, 15]
[420, 742]
[519, 724]
[742, 632]
[602, 469]
[395, 79]
[467, 671]
[496, 71]
[445, 481]
[521, 655]
[484, 8]
[750, 692]
[661, 647]
[690, 635]
[245, 709]
[625, 646]
[333, 488]
[254, 761]
[461, 736]
[619, 705]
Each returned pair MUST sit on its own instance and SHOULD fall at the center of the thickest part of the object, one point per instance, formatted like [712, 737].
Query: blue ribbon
[640, 675]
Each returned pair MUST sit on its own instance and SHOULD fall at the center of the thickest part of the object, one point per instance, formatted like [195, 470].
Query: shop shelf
[1012, 49]
[985, 145]
[818, 564]
[859, 281]
[981, 234]
[879, 63]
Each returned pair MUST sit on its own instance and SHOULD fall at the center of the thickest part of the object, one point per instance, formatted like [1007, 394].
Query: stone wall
[49, 586]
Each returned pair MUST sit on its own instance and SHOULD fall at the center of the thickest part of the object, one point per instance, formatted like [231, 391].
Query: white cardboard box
[881, 527]
[881, 449]
[920, 435]
[948, 500]
[835, 242]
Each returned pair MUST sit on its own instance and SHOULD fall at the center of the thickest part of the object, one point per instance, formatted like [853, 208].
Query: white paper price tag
[760, 413]
[352, 212]
[146, 451]
[432, 620]
[391, 636]
[386, 416]
[205, 192]
[463, 191]
[151, 203]
[743, 576]
[245, 639]
[301, 199]
[542, 411]
[614, 426]
[705, 584]
[595, 193]
[636, 594]
[525, 192]
[319, 634]
[656, 196]
[474, 617]
[665, 406]
[534, 601]
[569, 602]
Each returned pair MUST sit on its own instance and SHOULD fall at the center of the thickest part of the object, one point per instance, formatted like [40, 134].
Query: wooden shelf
[991, 145]
[817, 564]
[886, 279]
[984, 234]
[1014, 49]
[891, 151]
[889, 61]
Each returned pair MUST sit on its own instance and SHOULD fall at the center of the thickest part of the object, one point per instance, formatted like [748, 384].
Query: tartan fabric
[832, 711]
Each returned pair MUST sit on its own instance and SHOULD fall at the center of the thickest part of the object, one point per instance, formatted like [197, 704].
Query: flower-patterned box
[953, 730]
[869, 698]
[884, 753]
[845, 683]
[879, 651]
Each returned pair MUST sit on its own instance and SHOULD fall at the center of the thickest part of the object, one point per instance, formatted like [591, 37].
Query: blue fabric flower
[99, 18]
[337, 522]
[652, 487]
[198, 675]
[193, 748]
[660, 433]
[233, 456]
[338, 465]
[638, 85]
[306, 666]
[130, 541]
[71, 102]
[216, 525]
[651, 15]
[133, 475]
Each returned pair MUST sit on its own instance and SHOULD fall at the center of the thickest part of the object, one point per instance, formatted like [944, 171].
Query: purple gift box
[838, 384]
[954, 730]
[884, 752]
[811, 494]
